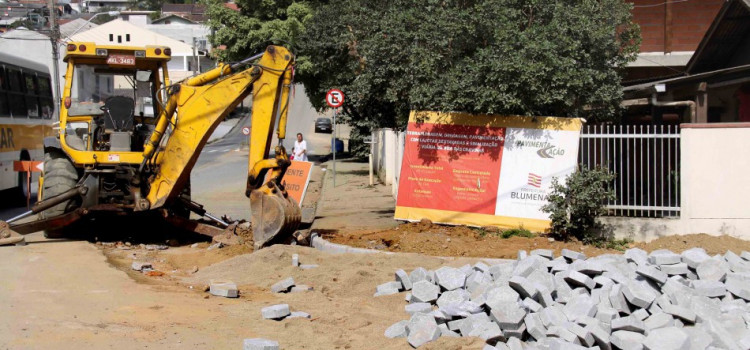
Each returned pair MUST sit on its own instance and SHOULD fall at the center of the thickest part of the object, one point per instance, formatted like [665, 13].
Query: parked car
[323, 125]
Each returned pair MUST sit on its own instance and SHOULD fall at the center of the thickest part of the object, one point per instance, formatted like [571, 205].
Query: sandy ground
[82, 295]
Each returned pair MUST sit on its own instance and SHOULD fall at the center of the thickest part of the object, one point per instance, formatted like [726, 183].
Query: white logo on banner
[531, 158]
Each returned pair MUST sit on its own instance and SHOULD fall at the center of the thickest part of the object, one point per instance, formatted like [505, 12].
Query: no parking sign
[335, 98]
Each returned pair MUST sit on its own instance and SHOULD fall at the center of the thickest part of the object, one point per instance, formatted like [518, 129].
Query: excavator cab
[105, 97]
[129, 139]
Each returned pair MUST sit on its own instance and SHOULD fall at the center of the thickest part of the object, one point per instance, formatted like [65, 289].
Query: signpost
[246, 130]
[335, 99]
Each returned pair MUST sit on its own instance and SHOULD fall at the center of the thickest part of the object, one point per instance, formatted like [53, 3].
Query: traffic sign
[335, 98]
[246, 130]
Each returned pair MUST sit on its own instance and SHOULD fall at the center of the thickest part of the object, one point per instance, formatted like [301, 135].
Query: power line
[663, 3]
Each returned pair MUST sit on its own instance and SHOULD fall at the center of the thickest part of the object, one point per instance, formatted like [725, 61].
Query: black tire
[59, 176]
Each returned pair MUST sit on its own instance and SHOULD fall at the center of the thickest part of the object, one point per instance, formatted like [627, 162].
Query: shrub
[575, 206]
[520, 232]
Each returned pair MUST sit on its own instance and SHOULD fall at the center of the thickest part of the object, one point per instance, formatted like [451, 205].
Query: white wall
[387, 155]
[714, 192]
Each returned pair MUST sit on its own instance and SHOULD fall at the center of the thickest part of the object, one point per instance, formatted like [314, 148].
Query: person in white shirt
[300, 149]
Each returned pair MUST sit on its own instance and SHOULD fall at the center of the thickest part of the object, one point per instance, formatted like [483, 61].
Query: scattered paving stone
[419, 274]
[675, 269]
[283, 286]
[260, 344]
[711, 270]
[299, 314]
[301, 288]
[295, 260]
[626, 340]
[453, 297]
[572, 255]
[578, 279]
[652, 273]
[424, 292]
[637, 295]
[694, 256]
[658, 320]
[308, 266]
[275, 312]
[629, 323]
[223, 289]
[388, 288]
[140, 266]
[660, 300]
[510, 318]
[524, 288]
[712, 289]
[450, 278]
[422, 329]
[669, 338]
[418, 307]
[545, 253]
[637, 256]
[403, 278]
[663, 257]
[397, 330]
[680, 312]
[499, 297]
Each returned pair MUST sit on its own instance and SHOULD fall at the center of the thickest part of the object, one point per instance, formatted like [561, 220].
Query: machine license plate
[121, 60]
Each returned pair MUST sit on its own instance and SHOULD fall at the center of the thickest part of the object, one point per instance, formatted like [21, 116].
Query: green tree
[257, 24]
[515, 57]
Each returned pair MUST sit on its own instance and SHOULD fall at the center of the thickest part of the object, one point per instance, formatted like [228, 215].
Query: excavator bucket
[273, 217]
[8, 236]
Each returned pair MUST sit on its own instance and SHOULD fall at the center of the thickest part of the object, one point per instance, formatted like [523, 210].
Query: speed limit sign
[335, 98]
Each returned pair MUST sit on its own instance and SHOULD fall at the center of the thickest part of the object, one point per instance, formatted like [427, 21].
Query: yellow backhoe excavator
[129, 138]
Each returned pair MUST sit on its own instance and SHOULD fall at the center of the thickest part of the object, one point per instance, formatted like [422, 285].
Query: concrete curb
[324, 246]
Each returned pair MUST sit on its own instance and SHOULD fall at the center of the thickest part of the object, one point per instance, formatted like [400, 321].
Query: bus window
[44, 87]
[46, 105]
[3, 83]
[30, 84]
[32, 106]
[14, 80]
[4, 110]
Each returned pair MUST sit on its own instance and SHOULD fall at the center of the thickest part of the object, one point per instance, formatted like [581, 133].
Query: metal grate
[646, 160]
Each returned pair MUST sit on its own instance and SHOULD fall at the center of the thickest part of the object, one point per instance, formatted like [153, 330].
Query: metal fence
[646, 160]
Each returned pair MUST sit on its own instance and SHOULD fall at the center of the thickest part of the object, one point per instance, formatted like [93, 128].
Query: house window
[111, 37]
[167, 22]
[119, 39]
[127, 37]
[101, 4]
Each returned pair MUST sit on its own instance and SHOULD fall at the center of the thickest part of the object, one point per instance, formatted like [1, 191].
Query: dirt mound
[440, 240]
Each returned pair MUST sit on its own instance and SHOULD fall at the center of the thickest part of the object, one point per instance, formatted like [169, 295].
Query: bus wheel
[59, 176]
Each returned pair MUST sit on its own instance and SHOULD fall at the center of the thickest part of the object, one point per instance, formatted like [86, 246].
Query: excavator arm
[194, 109]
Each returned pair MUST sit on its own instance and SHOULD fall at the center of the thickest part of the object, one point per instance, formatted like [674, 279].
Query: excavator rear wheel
[59, 176]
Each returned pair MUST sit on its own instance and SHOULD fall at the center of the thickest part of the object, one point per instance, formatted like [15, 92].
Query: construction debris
[283, 286]
[282, 311]
[223, 289]
[661, 300]
[260, 344]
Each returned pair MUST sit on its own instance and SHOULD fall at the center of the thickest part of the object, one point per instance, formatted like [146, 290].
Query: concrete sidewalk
[353, 204]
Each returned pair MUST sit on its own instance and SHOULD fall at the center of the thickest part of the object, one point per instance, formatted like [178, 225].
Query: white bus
[26, 117]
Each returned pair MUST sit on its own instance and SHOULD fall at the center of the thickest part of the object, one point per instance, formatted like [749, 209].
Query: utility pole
[55, 38]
